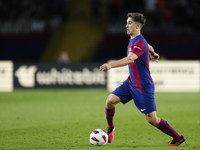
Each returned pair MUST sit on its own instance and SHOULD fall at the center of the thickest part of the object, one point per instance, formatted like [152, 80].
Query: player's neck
[134, 35]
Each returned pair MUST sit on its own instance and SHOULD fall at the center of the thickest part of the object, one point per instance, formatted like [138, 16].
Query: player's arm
[151, 50]
[154, 56]
[122, 62]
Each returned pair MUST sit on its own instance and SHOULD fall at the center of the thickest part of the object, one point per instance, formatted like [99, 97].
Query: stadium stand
[26, 27]
[35, 30]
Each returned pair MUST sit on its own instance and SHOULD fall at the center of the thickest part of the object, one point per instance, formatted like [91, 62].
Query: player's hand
[155, 57]
[105, 67]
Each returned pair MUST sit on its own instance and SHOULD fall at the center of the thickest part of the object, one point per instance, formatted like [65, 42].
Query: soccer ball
[98, 137]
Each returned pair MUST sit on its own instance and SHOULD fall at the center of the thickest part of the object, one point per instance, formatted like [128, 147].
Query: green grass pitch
[63, 120]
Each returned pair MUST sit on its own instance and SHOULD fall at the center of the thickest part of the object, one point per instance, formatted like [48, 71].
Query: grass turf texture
[64, 119]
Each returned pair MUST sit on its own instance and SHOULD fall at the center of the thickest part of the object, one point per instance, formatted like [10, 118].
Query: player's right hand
[155, 57]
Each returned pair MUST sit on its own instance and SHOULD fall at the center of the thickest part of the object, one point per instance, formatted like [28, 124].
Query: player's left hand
[155, 57]
[105, 67]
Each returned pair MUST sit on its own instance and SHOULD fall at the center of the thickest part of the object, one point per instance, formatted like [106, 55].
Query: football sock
[176, 136]
[167, 129]
[109, 116]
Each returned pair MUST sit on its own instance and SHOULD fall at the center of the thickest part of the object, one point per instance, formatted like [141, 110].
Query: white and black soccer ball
[98, 137]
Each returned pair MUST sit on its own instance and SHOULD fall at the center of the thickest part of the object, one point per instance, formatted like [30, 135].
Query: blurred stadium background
[93, 31]
[38, 31]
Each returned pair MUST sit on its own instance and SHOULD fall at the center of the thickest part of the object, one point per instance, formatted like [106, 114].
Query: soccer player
[139, 85]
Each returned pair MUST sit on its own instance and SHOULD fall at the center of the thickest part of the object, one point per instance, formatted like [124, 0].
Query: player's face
[131, 27]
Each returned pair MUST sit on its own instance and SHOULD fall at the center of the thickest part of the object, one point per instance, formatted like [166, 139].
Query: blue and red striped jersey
[139, 73]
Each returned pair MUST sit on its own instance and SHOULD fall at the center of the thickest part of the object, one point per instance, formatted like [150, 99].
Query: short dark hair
[137, 17]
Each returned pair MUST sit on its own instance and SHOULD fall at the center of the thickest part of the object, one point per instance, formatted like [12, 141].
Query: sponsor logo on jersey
[137, 47]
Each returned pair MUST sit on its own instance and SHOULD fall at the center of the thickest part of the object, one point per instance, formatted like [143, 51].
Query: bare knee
[112, 100]
[152, 119]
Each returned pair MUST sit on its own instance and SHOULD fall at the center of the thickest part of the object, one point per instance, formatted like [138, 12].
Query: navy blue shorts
[144, 100]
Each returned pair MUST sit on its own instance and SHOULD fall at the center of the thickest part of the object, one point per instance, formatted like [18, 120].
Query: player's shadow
[155, 146]
[140, 146]
[148, 146]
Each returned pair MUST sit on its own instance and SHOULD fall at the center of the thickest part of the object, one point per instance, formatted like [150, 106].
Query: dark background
[172, 27]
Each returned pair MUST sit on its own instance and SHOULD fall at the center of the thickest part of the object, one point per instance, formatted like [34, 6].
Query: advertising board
[168, 76]
[6, 76]
[58, 76]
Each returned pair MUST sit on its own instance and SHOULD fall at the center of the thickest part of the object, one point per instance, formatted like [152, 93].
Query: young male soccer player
[139, 85]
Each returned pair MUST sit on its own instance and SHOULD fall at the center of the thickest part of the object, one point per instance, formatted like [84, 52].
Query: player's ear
[139, 25]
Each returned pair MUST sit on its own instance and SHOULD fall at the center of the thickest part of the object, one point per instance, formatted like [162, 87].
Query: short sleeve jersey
[139, 73]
